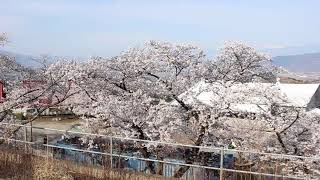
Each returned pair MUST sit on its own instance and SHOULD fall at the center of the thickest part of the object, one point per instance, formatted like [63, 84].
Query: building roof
[298, 95]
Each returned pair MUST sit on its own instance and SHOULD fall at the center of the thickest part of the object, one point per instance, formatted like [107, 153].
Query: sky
[82, 28]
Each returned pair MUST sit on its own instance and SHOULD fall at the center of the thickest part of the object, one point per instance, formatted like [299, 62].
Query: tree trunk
[191, 155]
[150, 165]
[281, 142]
[144, 150]
[181, 171]
[160, 167]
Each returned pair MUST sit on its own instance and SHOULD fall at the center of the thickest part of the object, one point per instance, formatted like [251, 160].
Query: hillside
[305, 63]
[304, 68]
[22, 59]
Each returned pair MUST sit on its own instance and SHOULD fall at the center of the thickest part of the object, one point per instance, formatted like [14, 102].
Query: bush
[20, 116]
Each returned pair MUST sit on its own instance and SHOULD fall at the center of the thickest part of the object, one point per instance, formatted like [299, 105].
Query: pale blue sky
[106, 27]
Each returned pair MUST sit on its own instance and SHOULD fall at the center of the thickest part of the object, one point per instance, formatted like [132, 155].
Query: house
[46, 100]
[30, 84]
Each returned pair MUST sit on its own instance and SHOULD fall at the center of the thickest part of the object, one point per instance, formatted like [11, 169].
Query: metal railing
[221, 152]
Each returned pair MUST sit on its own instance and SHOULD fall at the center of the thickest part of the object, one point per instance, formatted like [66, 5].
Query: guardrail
[222, 170]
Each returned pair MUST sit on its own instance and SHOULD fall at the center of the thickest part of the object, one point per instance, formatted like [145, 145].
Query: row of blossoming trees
[136, 94]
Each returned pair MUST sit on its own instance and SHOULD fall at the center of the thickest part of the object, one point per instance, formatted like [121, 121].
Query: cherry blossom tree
[236, 61]
[131, 94]
[250, 116]
[3, 39]
[9, 69]
[144, 93]
[41, 89]
[123, 89]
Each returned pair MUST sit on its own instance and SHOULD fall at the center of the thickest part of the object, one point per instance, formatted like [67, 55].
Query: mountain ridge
[308, 63]
[301, 63]
[22, 59]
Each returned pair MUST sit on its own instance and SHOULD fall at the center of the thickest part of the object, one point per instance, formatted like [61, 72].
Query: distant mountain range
[302, 63]
[299, 63]
[22, 59]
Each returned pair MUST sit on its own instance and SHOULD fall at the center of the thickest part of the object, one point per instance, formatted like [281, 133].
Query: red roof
[29, 84]
[32, 83]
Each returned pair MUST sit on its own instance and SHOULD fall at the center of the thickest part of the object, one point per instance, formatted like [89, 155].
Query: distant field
[300, 78]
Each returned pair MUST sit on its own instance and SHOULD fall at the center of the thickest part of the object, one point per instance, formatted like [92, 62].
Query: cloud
[273, 46]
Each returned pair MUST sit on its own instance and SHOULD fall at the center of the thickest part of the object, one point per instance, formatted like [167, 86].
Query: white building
[297, 95]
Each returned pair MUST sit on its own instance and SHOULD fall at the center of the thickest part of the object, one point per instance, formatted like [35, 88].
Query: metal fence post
[47, 143]
[25, 138]
[111, 153]
[221, 163]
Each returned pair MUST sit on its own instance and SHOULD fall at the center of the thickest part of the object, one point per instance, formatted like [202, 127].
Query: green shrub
[20, 116]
